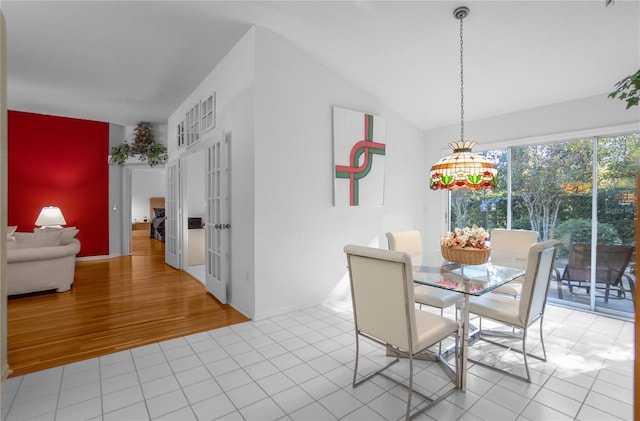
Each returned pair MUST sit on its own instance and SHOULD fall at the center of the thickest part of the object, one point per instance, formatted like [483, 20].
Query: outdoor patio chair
[611, 265]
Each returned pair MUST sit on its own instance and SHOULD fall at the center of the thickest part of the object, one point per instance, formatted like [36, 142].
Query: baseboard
[109, 256]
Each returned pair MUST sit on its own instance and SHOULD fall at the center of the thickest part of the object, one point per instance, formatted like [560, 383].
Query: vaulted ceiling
[125, 61]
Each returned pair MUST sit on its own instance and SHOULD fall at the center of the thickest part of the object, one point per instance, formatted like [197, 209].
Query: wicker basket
[466, 256]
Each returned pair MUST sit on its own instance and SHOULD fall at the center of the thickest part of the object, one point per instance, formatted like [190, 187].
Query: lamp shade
[463, 169]
[50, 216]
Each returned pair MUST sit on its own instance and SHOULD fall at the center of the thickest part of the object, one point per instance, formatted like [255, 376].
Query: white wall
[590, 116]
[299, 234]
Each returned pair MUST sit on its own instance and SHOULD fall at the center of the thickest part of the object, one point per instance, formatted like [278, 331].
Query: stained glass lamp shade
[463, 169]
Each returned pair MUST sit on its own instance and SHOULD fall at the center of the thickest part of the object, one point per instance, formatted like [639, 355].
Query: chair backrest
[382, 294]
[578, 262]
[535, 285]
[611, 262]
[511, 247]
[409, 242]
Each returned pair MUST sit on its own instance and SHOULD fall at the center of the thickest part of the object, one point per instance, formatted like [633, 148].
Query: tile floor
[299, 367]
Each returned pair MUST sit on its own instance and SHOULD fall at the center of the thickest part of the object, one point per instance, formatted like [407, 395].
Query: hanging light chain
[463, 169]
[461, 16]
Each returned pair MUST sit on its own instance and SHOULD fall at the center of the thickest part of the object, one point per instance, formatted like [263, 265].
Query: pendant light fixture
[463, 169]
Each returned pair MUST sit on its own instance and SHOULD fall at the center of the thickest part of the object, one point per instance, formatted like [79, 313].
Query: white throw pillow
[68, 234]
[11, 239]
[42, 238]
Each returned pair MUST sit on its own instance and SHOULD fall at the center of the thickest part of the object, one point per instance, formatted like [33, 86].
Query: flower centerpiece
[466, 245]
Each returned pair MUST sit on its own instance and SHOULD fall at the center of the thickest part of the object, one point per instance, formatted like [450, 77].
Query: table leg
[464, 344]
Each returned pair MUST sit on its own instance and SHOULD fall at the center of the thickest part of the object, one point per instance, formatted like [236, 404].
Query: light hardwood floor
[114, 304]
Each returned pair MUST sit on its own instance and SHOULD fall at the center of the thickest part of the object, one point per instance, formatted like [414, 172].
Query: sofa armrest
[43, 253]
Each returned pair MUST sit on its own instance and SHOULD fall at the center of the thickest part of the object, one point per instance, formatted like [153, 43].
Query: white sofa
[41, 261]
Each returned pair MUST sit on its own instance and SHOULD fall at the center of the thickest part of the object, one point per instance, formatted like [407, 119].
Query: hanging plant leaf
[143, 146]
[120, 153]
[628, 89]
[154, 154]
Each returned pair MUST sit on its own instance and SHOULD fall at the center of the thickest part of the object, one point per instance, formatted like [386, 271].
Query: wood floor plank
[114, 305]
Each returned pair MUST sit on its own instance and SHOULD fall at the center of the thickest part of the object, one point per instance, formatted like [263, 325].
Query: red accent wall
[59, 161]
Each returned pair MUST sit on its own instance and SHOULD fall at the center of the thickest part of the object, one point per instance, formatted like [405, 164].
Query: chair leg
[523, 336]
[428, 400]
[440, 343]
[544, 352]
[524, 354]
[559, 281]
[355, 369]
[524, 350]
[410, 393]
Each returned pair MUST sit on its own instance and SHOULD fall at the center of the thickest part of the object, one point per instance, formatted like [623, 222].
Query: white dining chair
[384, 312]
[511, 248]
[410, 242]
[519, 314]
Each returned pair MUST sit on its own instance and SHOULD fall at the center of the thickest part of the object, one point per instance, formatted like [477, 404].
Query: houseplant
[628, 89]
[466, 245]
[144, 147]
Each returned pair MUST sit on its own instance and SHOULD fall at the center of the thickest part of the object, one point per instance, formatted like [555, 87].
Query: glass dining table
[468, 280]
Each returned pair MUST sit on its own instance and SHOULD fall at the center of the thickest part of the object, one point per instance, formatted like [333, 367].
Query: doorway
[194, 210]
[146, 182]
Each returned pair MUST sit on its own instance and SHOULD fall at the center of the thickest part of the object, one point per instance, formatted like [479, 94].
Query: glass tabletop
[467, 279]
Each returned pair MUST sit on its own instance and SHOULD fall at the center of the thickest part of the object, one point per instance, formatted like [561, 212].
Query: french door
[173, 217]
[217, 223]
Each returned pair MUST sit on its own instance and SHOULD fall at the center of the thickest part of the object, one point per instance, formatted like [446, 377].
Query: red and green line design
[354, 171]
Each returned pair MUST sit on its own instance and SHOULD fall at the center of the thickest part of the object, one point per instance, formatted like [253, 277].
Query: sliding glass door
[581, 192]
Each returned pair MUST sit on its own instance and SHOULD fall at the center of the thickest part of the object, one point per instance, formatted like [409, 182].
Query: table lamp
[50, 217]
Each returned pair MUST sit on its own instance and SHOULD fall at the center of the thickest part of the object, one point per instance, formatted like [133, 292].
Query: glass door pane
[484, 208]
[551, 194]
[618, 159]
